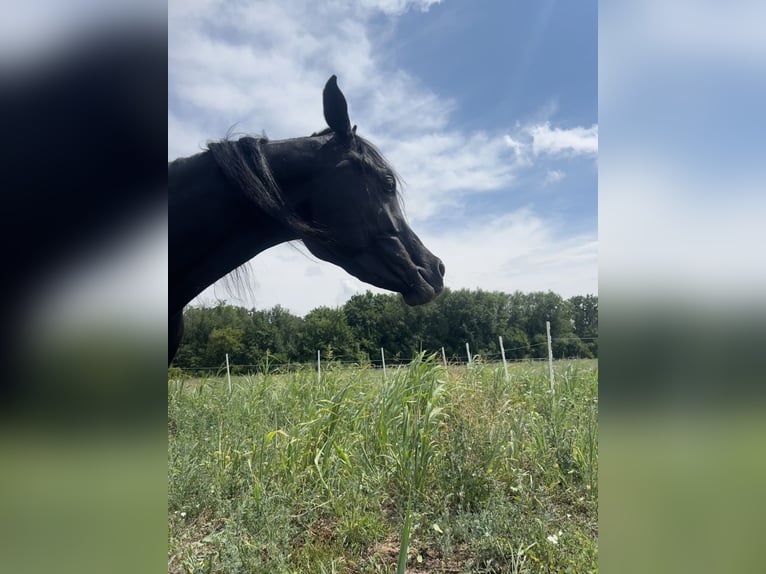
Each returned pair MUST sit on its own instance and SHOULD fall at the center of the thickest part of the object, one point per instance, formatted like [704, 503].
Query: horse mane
[244, 164]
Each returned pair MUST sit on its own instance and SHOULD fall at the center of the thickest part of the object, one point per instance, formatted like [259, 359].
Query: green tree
[327, 330]
[541, 307]
[286, 328]
[569, 347]
[516, 343]
[369, 321]
[222, 341]
[199, 323]
[475, 317]
[539, 346]
[364, 313]
[585, 308]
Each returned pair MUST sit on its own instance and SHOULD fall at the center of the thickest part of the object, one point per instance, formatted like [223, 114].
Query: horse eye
[390, 184]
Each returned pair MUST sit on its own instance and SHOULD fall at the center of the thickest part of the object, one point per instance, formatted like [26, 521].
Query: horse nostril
[441, 268]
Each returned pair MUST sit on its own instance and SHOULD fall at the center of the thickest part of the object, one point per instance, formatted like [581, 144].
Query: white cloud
[289, 276]
[395, 7]
[184, 138]
[557, 141]
[517, 251]
[440, 168]
[553, 176]
[517, 147]
[532, 142]
[443, 167]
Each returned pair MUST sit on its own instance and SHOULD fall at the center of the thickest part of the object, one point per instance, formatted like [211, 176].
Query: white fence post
[550, 352]
[444, 357]
[228, 374]
[468, 352]
[319, 366]
[505, 365]
[383, 358]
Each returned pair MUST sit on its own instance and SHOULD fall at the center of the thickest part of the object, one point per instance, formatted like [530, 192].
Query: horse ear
[336, 108]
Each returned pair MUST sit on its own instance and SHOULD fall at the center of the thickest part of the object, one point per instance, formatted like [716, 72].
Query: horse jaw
[425, 293]
[417, 275]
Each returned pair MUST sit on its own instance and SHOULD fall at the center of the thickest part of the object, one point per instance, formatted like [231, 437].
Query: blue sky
[509, 62]
[488, 109]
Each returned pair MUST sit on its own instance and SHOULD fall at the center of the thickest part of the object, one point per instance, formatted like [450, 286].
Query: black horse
[333, 190]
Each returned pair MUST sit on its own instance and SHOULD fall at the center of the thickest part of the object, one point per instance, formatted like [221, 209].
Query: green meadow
[428, 469]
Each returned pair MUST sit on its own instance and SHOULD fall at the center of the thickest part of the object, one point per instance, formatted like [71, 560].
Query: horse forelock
[370, 157]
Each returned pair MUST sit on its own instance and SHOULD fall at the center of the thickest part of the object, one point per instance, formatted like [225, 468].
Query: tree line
[358, 329]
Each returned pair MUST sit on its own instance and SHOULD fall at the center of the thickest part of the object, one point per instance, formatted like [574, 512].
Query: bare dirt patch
[421, 558]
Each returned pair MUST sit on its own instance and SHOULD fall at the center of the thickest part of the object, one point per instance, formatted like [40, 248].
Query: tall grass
[434, 469]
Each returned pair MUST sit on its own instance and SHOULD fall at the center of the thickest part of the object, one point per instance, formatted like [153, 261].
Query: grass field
[465, 472]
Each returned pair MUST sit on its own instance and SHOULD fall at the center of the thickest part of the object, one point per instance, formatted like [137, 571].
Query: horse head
[352, 203]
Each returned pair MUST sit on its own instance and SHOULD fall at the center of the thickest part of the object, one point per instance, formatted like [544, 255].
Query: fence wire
[274, 365]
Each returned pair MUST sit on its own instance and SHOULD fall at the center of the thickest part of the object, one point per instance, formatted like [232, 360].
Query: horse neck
[213, 228]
